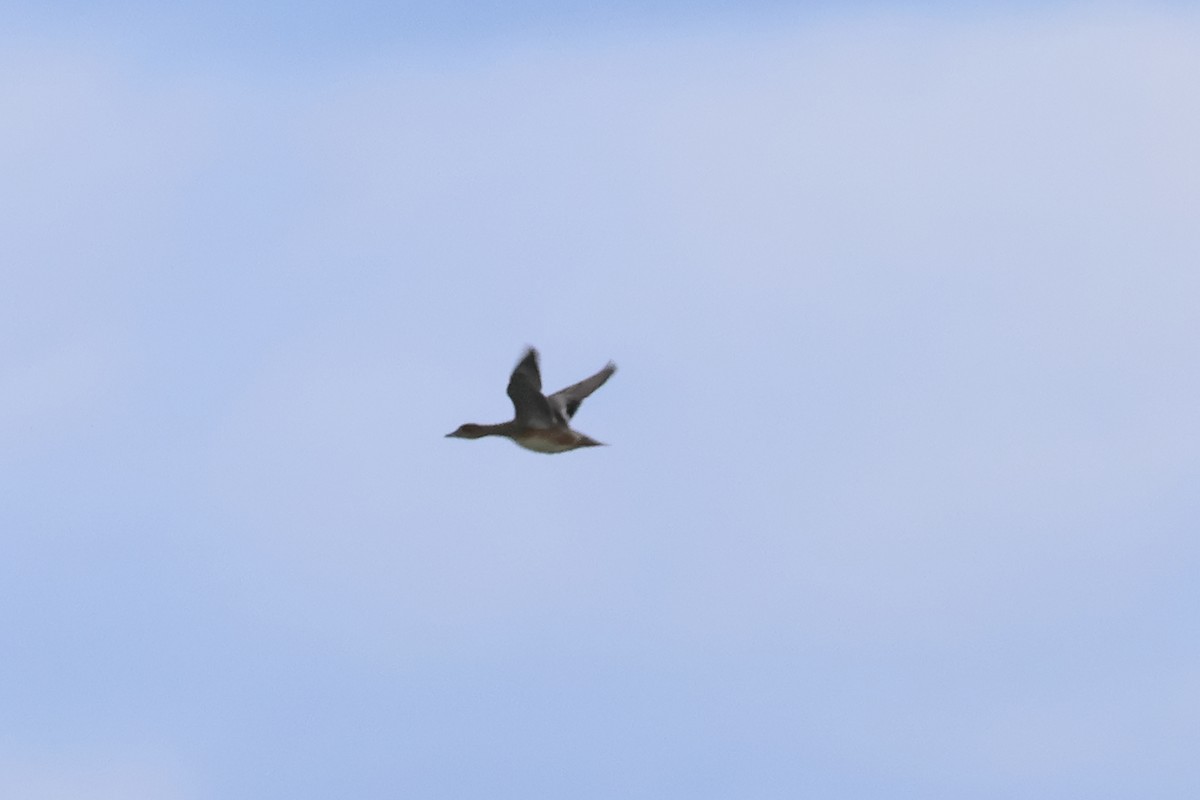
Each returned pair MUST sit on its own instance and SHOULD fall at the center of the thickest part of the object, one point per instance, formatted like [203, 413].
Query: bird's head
[468, 430]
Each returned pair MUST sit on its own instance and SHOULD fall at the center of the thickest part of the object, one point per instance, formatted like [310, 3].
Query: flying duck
[540, 423]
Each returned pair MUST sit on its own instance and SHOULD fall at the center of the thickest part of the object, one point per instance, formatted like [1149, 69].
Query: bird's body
[541, 424]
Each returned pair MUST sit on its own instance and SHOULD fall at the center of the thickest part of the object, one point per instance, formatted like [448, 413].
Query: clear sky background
[901, 498]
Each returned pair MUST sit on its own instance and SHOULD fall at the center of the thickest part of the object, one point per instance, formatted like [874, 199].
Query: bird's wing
[525, 390]
[566, 401]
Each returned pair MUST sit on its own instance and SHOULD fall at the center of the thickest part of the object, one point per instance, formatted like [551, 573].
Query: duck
[540, 423]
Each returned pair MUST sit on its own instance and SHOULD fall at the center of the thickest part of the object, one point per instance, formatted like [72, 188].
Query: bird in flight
[540, 423]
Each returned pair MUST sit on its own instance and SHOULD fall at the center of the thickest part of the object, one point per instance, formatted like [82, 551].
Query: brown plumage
[540, 423]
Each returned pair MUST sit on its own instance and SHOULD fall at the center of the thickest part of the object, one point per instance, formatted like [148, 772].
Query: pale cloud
[101, 775]
[50, 396]
[883, 193]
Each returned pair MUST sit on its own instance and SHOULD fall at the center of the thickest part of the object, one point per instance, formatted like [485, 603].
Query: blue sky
[900, 498]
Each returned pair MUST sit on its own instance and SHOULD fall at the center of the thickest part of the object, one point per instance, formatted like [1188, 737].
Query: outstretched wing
[566, 401]
[525, 390]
